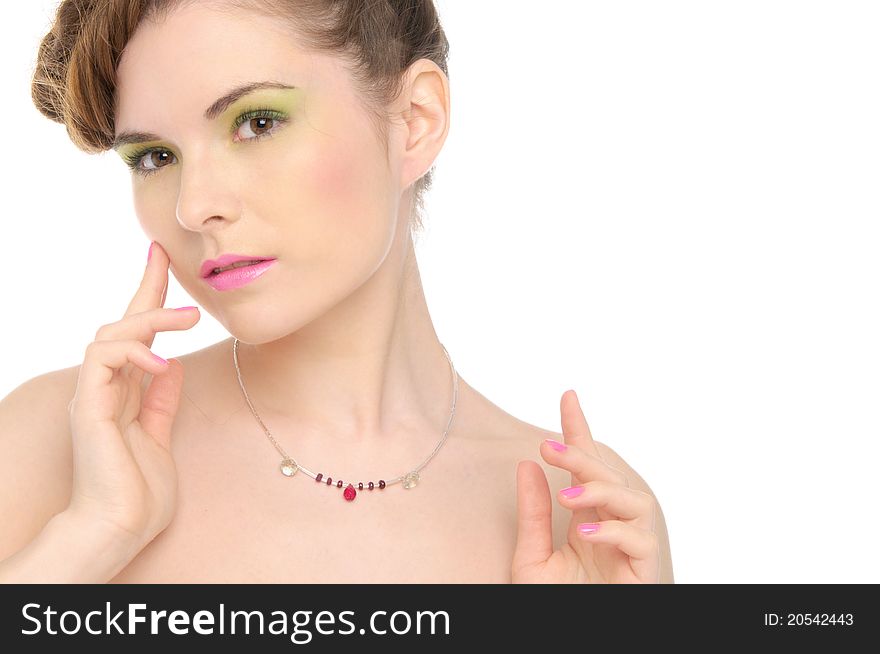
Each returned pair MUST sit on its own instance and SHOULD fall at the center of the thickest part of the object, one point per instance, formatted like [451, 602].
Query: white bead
[411, 480]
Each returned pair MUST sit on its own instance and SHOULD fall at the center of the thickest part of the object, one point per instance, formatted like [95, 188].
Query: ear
[424, 110]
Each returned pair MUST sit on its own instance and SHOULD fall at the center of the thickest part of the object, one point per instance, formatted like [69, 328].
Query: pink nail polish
[160, 359]
[572, 491]
[184, 308]
[588, 527]
[556, 445]
[150, 251]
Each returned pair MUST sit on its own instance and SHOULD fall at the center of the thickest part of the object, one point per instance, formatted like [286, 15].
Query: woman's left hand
[624, 549]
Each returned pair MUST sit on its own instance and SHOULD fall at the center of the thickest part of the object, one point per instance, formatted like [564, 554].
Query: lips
[226, 260]
[239, 276]
[238, 264]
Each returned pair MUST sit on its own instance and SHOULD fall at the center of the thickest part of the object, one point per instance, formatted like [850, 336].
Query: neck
[370, 369]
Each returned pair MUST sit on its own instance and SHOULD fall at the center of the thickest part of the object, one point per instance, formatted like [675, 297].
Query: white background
[671, 207]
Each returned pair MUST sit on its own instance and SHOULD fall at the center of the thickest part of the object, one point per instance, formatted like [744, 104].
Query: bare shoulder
[35, 455]
[528, 439]
[532, 435]
[614, 459]
[37, 410]
[660, 529]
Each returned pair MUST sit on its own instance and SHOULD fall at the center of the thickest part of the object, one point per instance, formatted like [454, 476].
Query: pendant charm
[411, 480]
[349, 493]
[288, 467]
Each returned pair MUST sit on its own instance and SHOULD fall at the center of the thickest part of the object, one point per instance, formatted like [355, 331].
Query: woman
[290, 143]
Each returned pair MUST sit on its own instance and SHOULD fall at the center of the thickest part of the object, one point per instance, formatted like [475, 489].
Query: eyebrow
[217, 108]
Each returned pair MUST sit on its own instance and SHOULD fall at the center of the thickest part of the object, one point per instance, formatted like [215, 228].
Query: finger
[151, 291]
[582, 466]
[149, 295]
[143, 297]
[625, 503]
[574, 424]
[640, 545]
[534, 539]
[101, 361]
[143, 326]
[160, 403]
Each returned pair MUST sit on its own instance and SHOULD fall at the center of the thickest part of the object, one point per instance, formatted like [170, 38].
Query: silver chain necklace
[289, 466]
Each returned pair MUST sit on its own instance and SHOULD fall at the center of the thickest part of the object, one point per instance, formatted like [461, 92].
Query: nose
[206, 199]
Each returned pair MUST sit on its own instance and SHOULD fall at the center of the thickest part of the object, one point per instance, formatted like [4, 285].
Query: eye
[153, 156]
[259, 122]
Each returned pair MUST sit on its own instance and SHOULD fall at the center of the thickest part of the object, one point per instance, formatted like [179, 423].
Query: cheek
[149, 208]
[350, 222]
[337, 176]
[348, 187]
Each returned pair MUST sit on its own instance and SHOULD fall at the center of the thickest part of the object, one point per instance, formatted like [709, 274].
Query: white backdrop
[671, 207]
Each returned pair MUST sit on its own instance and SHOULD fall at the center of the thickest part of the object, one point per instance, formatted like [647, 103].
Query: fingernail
[588, 527]
[150, 251]
[572, 491]
[160, 359]
[184, 308]
[556, 445]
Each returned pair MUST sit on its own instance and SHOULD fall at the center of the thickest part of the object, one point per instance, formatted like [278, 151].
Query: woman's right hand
[124, 478]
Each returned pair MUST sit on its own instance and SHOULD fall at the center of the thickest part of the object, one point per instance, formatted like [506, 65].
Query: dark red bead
[349, 493]
[339, 484]
[371, 485]
[381, 483]
[329, 480]
[361, 485]
[318, 478]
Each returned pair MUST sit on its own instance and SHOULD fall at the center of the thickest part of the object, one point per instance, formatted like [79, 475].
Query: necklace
[289, 466]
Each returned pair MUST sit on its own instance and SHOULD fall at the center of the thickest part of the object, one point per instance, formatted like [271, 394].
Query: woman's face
[306, 181]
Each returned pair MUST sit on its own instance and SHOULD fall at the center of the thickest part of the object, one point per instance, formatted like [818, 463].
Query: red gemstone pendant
[349, 493]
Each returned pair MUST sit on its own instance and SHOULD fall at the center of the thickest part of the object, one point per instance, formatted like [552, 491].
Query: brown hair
[74, 81]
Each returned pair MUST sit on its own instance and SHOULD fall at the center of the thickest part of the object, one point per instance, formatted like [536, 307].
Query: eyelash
[134, 159]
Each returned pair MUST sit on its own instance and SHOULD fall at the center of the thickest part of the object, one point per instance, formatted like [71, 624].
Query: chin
[251, 330]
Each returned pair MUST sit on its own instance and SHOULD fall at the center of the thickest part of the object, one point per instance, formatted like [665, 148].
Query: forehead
[179, 65]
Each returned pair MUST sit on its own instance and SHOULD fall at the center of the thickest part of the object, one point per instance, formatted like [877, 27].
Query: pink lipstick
[235, 270]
